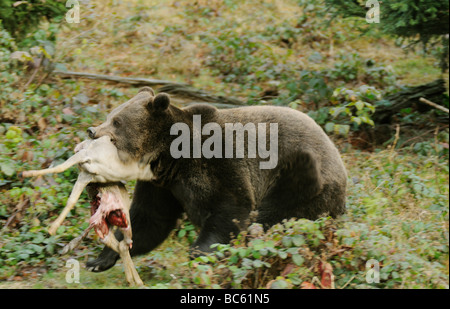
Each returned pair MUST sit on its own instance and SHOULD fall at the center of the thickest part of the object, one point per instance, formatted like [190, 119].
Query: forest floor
[260, 52]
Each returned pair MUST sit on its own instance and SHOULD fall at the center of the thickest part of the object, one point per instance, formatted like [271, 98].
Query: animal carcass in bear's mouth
[106, 208]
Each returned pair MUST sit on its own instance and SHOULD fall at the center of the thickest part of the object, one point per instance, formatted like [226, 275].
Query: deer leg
[127, 231]
[131, 274]
[83, 180]
[76, 241]
[122, 248]
[76, 158]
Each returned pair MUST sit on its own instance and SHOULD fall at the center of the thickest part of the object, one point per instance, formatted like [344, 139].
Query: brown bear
[216, 177]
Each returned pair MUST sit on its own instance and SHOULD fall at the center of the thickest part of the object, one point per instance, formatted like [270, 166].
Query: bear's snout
[91, 132]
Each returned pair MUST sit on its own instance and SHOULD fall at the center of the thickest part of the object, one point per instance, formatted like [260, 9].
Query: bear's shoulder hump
[201, 109]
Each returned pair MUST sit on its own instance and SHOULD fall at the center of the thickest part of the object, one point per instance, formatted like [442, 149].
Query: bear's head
[139, 128]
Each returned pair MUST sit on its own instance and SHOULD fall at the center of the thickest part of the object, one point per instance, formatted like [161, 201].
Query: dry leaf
[307, 286]
[269, 284]
[27, 156]
[38, 182]
[68, 111]
[327, 275]
[16, 215]
[42, 124]
[287, 270]
[21, 56]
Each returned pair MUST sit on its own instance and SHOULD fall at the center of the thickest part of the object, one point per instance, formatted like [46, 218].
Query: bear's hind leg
[216, 229]
[293, 193]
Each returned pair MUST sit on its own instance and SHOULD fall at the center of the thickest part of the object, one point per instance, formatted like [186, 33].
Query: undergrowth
[280, 54]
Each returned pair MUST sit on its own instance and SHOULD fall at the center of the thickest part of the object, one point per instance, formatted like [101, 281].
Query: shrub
[419, 21]
[357, 105]
[283, 257]
[23, 17]
[352, 67]
[241, 58]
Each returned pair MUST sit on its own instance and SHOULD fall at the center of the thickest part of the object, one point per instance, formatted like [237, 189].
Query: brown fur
[219, 194]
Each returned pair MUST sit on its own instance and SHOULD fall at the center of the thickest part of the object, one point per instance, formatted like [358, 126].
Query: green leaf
[8, 168]
[11, 134]
[282, 254]
[35, 248]
[269, 244]
[256, 254]
[258, 244]
[293, 250]
[286, 241]
[182, 233]
[258, 263]
[203, 258]
[234, 259]
[23, 256]
[298, 259]
[370, 107]
[341, 129]
[198, 280]
[329, 127]
[279, 284]
[243, 252]
[359, 105]
[298, 240]
[356, 120]
[39, 238]
[264, 251]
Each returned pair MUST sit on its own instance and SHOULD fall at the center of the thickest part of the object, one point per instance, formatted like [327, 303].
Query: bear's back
[297, 132]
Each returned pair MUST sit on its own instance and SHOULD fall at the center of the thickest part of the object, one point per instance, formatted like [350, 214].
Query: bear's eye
[116, 123]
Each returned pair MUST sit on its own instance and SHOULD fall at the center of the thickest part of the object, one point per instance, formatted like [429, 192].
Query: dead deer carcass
[101, 171]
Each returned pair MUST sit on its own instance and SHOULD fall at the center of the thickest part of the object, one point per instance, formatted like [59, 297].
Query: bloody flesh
[106, 210]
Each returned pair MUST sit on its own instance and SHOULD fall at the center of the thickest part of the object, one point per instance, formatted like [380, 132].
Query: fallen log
[135, 81]
[409, 97]
[177, 89]
[417, 98]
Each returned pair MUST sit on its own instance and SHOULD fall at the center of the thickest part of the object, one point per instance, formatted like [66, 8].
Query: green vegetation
[263, 52]
[23, 17]
[419, 21]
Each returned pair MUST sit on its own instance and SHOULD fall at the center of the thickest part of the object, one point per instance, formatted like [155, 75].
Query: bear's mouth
[106, 208]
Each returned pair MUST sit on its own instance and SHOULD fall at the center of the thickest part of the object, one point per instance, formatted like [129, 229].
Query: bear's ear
[161, 102]
[147, 89]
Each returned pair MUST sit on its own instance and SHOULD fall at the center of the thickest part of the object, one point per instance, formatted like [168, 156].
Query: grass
[397, 196]
[417, 70]
[167, 39]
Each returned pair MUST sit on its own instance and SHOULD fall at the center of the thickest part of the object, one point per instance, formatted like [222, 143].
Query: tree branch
[442, 108]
